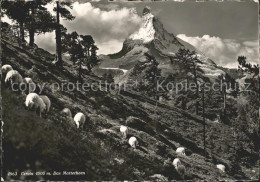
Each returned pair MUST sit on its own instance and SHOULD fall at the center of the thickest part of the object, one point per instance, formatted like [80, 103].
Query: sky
[223, 31]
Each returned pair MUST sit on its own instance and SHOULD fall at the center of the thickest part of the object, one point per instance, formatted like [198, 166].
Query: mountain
[154, 39]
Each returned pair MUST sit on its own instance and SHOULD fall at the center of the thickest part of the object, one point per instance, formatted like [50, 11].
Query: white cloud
[109, 27]
[46, 41]
[103, 25]
[109, 47]
[224, 51]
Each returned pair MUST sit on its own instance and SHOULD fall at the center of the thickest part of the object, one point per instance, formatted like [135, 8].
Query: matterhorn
[154, 39]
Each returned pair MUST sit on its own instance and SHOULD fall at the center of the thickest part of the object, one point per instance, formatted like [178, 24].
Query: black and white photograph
[118, 90]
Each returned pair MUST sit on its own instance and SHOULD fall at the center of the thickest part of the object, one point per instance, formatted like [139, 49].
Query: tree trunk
[32, 28]
[58, 60]
[80, 71]
[89, 66]
[197, 89]
[31, 36]
[88, 52]
[21, 25]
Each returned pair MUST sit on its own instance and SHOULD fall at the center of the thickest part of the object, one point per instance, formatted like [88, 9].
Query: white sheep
[179, 167]
[34, 102]
[47, 102]
[132, 142]
[176, 162]
[221, 167]
[13, 76]
[79, 119]
[30, 84]
[6, 68]
[66, 113]
[180, 151]
[123, 130]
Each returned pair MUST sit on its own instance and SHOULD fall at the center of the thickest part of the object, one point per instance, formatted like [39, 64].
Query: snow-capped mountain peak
[146, 31]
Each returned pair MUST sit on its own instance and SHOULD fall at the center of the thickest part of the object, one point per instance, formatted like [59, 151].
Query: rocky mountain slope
[45, 144]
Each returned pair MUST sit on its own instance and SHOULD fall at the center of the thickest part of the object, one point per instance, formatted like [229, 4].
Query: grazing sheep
[123, 130]
[34, 102]
[176, 162]
[181, 170]
[79, 119]
[67, 116]
[180, 151]
[6, 68]
[66, 113]
[13, 76]
[221, 167]
[179, 167]
[47, 102]
[132, 142]
[30, 84]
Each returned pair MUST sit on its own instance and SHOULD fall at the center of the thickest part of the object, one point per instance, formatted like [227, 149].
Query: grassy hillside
[46, 144]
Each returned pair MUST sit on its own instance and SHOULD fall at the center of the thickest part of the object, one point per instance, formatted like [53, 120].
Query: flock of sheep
[35, 102]
[42, 104]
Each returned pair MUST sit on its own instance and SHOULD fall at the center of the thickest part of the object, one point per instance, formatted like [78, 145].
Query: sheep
[66, 113]
[176, 162]
[221, 167]
[181, 170]
[123, 130]
[180, 151]
[47, 102]
[30, 84]
[132, 142]
[79, 119]
[12, 77]
[67, 116]
[6, 68]
[33, 101]
[179, 167]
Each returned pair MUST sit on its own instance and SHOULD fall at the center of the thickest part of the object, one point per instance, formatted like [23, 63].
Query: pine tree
[30, 15]
[17, 11]
[40, 20]
[189, 59]
[61, 10]
[151, 76]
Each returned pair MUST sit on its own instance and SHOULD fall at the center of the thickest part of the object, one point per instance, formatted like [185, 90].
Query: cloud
[109, 47]
[46, 41]
[103, 25]
[109, 26]
[224, 51]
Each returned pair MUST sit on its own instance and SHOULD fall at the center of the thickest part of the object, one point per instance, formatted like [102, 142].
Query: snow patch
[124, 70]
[146, 31]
